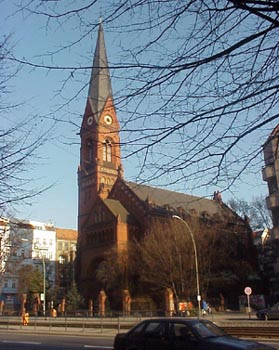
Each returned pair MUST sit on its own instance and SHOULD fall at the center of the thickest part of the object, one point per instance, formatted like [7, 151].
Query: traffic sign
[248, 290]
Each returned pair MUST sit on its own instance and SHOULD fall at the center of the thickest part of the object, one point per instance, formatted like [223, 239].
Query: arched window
[107, 150]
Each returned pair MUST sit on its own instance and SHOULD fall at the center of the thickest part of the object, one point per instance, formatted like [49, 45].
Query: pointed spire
[100, 83]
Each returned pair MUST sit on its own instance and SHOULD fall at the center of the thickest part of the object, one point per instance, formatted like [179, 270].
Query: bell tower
[100, 160]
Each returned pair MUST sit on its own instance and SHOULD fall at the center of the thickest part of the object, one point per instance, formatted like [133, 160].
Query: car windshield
[208, 330]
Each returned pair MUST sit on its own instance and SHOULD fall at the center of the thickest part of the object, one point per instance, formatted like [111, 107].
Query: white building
[29, 243]
[4, 248]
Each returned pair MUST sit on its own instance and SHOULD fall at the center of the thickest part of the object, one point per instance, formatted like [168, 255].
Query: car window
[181, 331]
[138, 329]
[206, 329]
[157, 328]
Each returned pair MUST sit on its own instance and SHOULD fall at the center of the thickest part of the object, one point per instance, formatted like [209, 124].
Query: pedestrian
[25, 318]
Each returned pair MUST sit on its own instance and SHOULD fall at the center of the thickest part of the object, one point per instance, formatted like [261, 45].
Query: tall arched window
[107, 150]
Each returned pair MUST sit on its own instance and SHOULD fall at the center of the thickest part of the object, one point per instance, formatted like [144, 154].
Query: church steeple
[100, 160]
[100, 84]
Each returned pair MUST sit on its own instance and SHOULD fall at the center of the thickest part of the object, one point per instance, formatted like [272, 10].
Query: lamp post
[196, 260]
[44, 277]
[44, 285]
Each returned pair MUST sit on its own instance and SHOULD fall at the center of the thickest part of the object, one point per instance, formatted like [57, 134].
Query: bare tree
[201, 81]
[19, 141]
[29, 279]
[112, 271]
[255, 210]
[167, 258]
[164, 258]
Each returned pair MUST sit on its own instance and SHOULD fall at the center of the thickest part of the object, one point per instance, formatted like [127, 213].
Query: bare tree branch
[200, 93]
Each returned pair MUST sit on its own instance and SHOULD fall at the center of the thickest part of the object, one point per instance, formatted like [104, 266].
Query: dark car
[271, 313]
[178, 334]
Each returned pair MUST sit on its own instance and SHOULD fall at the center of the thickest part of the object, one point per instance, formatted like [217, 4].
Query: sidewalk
[105, 326]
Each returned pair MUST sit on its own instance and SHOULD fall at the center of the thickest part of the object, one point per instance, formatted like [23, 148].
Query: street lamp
[196, 261]
[44, 285]
[44, 277]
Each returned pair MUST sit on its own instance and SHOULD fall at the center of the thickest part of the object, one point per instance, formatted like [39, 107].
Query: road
[33, 341]
[16, 341]
[14, 336]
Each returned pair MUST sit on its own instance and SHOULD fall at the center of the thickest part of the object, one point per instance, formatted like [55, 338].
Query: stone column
[23, 303]
[169, 302]
[90, 307]
[222, 302]
[63, 306]
[36, 303]
[102, 305]
[126, 302]
[2, 304]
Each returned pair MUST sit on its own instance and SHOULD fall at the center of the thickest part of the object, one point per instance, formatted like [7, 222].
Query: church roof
[177, 200]
[100, 83]
[117, 209]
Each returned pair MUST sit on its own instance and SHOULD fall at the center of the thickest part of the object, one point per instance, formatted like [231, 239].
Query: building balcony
[272, 201]
[268, 172]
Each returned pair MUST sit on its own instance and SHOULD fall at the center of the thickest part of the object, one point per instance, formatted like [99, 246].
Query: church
[113, 211]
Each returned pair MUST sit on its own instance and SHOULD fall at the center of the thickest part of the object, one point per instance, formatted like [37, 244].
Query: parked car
[271, 313]
[180, 333]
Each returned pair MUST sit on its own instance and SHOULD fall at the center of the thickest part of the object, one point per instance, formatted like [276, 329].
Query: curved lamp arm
[196, 260]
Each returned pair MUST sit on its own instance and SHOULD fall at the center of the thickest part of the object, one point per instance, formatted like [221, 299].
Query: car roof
[175, 319]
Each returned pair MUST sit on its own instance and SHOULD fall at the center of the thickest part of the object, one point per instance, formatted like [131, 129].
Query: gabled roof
[176, 200]
[100, 83]
[117, 209]
[66, 234]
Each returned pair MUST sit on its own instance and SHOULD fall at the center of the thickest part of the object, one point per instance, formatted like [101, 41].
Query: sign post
[248, 292]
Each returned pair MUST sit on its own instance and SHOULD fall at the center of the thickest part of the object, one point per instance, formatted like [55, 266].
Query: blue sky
[40, 90]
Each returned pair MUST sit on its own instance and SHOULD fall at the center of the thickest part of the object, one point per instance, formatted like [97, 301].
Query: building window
[107, 150]
[90, 150]
[102, 180]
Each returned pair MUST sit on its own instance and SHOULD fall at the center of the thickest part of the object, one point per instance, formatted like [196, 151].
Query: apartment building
[66, 242]
[27, 243]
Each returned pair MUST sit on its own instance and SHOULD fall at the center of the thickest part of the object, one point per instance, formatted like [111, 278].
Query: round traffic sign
[248, 290]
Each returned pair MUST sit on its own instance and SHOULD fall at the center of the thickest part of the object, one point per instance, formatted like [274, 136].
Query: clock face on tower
[108, 119]
[90, 120]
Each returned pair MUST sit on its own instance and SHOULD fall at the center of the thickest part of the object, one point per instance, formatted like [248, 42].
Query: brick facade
[112, 211]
